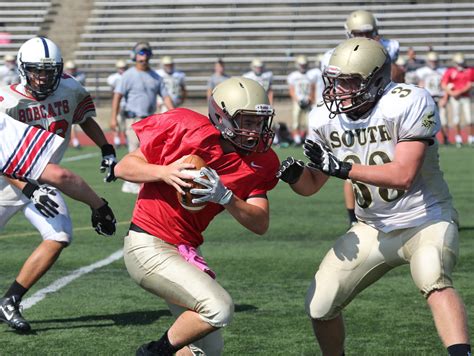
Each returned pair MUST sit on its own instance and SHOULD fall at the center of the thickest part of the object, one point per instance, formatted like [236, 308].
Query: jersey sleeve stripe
[19, 150]
[26, 153]
[34, 153]
[44, 147]
[85, 106]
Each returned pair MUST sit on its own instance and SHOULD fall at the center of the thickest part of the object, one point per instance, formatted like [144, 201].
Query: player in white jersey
[381, 135]
[113, 81]
[175, 82]
[26, 153]
[362, 23]
[316, 75]
[302, 94]
[429, 77]
[261, 76]
[47, 99]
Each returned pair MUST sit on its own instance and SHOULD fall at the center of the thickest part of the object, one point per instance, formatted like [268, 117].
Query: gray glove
[214, 190]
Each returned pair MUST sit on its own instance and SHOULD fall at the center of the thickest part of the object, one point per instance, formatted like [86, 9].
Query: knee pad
[431, 268]
[321, 306]
[218, 312]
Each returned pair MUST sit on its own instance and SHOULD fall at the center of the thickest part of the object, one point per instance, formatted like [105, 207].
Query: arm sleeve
[420, 120]
[26, 150]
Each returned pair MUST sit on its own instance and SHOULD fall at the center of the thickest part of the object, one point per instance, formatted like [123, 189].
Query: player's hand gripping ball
[186, 199]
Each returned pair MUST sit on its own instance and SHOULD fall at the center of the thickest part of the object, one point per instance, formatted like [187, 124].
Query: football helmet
[356, 76]
[301, 63]
[257, 66]
[361, 23]
[40, 66]
[458, 58]
[239, 108]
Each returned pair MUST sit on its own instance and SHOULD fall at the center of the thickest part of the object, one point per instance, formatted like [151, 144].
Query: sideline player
[262, 76]
[381, 135]
[25, 153]
[47, 99]
[302, 93]
[162, 248]
[175, 82]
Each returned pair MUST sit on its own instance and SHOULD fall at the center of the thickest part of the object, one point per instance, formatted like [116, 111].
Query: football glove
[324, 160]
[290, 170]
[103, 220]
[214, 190]
[42, 197]
[109, 160]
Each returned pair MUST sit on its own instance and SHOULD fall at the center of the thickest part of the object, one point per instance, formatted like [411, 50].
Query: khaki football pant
[158, 268]
[363, 255]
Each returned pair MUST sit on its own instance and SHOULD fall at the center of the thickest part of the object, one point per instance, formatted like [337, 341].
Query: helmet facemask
[248, 130]
[42, 79]
[351, 94]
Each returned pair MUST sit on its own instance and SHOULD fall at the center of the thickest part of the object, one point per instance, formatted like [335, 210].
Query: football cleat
[147, 349]
[10, 314]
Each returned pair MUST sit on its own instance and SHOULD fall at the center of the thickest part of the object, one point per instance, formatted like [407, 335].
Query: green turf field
[105, 313]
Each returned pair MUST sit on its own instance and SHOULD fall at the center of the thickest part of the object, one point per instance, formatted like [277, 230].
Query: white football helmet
[40, 66]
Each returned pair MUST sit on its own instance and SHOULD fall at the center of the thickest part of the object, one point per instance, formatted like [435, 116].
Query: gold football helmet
[361, 23]
[356, 76]
[239, 108]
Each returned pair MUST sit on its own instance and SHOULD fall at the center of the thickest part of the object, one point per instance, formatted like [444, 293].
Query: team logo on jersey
[428, 120]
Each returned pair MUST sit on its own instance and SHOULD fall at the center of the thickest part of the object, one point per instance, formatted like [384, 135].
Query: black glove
[304, 104]
[42, 197]
[109, 160]
[103, 220]
[290, 170]
[323, 159]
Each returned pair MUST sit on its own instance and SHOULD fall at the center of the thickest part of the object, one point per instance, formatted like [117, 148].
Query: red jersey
[164, 138]
[458, 78]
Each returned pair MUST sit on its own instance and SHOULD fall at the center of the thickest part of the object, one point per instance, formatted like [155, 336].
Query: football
[186, 199]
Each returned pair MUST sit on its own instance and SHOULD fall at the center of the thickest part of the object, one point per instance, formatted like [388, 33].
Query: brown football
[186, 200]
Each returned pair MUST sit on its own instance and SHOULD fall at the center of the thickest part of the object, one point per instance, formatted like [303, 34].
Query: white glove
[43, 197]
[214, 190]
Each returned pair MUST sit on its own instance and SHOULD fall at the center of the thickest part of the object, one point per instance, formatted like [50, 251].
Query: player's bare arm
[115, 110]
[92, 129]
[303, 180]
[134, 167]
[253, 213]
[398, 174]
[70, 184]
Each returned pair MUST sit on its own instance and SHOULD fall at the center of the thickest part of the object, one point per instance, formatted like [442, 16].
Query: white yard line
[64, 281]
[80, 157]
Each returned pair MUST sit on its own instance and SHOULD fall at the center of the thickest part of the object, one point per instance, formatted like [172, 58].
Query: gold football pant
[364, 254]
[158, 268]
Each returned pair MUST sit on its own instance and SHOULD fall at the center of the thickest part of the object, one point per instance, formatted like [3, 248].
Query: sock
[352, 215]
[162, 346]
[16, 289]
[459, 350]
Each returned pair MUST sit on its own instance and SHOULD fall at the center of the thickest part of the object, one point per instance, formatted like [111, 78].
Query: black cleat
[146, 349]
[10, 314]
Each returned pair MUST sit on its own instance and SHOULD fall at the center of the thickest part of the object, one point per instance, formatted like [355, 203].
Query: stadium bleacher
[197, 32]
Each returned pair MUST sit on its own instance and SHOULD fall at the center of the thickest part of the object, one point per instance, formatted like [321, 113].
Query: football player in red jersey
[161, 250]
